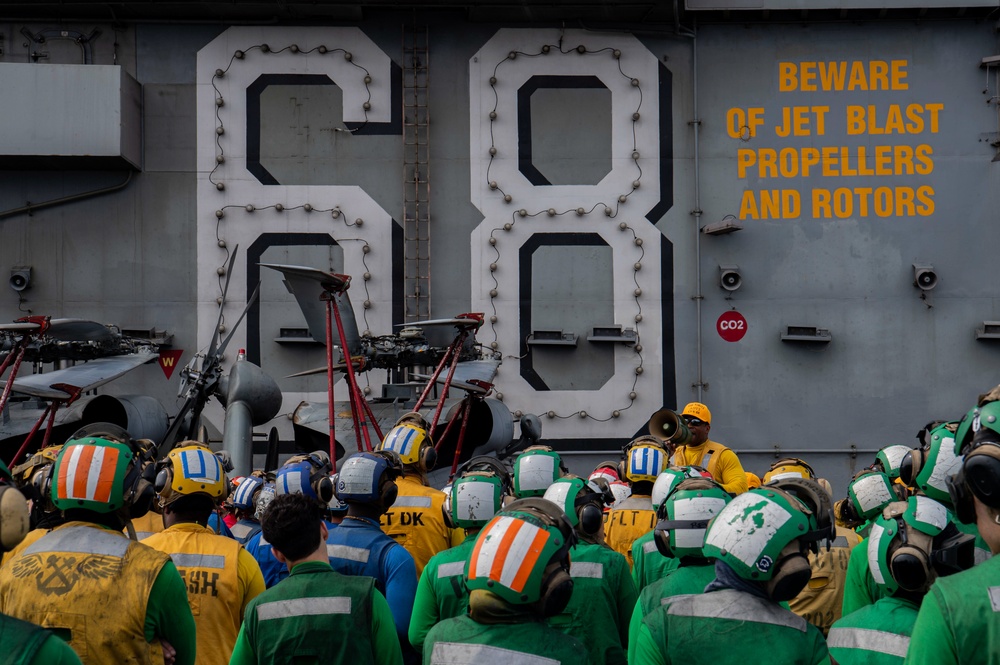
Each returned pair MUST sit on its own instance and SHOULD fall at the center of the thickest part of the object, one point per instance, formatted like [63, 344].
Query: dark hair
[192, 508]
[291, 524]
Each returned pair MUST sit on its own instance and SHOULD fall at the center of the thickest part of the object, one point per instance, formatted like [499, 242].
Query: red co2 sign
[731, 326]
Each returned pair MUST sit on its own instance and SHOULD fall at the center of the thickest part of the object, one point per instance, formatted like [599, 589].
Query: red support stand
[331, 410]
[361, 413]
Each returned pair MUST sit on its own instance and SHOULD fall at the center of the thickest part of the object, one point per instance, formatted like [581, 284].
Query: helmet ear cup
[910, 465]
[323, 487]
[982, 473]
[428, 457]
[910, 568]
[961, 497]
[448, 522]
[388, 493]
[41, 486]
[791, 574]
[556, 590]
[591, 518]
[662, 539]
[139, 492]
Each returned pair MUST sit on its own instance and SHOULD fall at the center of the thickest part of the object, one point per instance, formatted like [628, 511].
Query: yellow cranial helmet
[191, 468]
[789, 467]
[412, 443]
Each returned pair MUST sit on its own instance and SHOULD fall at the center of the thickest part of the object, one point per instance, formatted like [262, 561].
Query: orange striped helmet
[89, 474]
[518, 553]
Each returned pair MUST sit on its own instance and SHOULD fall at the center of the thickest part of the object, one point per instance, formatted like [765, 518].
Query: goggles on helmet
[687, 511]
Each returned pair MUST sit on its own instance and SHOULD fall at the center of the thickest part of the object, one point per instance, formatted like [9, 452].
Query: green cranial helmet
[888, 459]
[750, 533]
[564, 492]
[534, 470]
[936, 464]
[687, 512]
[900, 544]
[89, 474]
[665, 483]
[522, 555]
[583, 501]
[981, 423]
[474, 499]
[869, 492]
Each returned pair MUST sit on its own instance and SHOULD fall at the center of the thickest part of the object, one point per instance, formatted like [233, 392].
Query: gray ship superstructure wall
[570, 172]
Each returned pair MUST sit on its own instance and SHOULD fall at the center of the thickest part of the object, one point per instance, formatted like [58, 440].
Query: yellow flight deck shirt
[627, 522]
[59, 581]
[147, 525]
[416, 522]
[221, 578]
[820, 602]
[721, 462]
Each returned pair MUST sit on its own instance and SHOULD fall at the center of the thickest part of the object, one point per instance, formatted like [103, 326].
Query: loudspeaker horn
[670, 427]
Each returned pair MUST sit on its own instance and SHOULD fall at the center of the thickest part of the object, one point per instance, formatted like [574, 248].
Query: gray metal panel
[571, 290]
[70, 111]
[169, 127]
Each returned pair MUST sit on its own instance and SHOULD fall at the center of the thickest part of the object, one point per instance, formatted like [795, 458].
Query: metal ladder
[416, 176]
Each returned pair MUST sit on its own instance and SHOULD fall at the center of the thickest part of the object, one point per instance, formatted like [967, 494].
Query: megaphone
[669, 427]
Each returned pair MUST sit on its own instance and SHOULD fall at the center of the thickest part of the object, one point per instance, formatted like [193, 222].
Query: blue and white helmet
[246, 492]
[369, 478]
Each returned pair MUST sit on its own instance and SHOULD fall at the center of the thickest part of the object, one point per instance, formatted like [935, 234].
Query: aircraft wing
[465, 372]
[307, 285]
[89, 375]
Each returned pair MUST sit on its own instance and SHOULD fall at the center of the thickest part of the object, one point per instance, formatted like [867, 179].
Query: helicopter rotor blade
[173, 432]
[229, 337]
[225, 291]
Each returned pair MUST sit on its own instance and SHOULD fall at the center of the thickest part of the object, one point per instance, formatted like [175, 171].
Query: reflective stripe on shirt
[358, 554]
[878, 641]
[453, 653]
[649, 548]
[994, 592]
[242, 530]
[412, 502]
[182, 560]
[586, 569]
[736, 605]
[666, 600]
[81, 540]
[300, 607]
[451, 569]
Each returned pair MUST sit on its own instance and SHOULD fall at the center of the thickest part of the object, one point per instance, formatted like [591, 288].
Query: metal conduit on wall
[32, 207]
